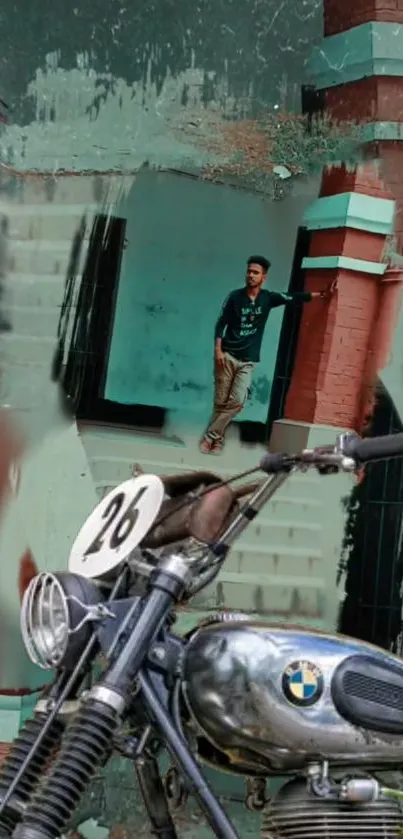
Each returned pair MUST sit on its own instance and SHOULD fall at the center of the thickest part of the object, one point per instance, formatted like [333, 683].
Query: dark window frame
[84, 374]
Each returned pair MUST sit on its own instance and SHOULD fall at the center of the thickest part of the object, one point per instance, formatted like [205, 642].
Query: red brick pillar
[374, 98]
[343, 344]
[391, 157]
[331, 368]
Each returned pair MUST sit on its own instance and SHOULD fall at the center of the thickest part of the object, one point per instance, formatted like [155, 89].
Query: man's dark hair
[259, 260]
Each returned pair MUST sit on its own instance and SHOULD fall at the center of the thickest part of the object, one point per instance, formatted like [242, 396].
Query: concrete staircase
[278, 567]
[41, 214]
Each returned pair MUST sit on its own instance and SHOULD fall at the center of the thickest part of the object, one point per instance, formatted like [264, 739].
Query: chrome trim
[45, 706]
[108, 696]
[178, 566]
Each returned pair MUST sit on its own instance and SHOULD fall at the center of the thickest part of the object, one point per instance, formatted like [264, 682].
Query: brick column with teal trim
[349, 225]
[359, 65]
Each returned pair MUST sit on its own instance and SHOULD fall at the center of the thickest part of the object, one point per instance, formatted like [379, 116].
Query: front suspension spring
[15, 759]
[88, 742]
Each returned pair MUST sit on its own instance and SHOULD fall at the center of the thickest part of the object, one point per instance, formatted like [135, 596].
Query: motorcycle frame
[155, 704]
[129, 668]
[130, 677]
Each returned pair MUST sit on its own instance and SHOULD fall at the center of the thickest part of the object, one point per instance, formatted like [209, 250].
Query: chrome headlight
[56, 607]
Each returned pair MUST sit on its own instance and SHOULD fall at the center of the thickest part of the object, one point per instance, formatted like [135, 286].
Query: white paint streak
[85, 120]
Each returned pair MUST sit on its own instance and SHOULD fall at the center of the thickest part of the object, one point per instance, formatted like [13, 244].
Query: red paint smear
[28, 570]
[11, 448]
[20, 692]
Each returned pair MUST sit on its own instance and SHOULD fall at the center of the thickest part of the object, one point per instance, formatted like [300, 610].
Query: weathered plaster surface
[117, 85]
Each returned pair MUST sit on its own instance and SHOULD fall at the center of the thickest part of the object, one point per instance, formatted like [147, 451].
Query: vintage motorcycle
[244, 696]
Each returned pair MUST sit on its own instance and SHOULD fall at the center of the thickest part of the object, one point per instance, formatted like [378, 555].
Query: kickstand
[153, 795]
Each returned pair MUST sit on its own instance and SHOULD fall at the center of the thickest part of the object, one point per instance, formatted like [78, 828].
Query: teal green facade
[187, 246]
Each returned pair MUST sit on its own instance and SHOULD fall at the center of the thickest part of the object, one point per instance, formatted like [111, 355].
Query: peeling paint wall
[113, 85]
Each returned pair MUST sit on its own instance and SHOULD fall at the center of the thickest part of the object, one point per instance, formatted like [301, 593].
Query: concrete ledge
[345, 262]
[373, 131]
[372, 49]
[353, 210]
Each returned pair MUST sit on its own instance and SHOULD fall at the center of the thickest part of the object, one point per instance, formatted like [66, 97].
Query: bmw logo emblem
[302, 683]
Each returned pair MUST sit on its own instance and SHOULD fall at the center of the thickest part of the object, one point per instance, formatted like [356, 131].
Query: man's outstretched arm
[286, 298]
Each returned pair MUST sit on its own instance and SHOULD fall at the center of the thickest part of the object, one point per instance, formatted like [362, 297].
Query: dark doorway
[289, 335]
[82, 376]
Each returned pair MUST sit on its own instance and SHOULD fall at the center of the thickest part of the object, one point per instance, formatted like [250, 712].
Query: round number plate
[116, 526]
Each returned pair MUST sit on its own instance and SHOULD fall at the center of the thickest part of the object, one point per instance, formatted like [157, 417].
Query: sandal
[217, 446]
[206, 445]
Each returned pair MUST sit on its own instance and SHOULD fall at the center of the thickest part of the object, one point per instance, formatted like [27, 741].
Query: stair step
[266, 593]
[26, 390]
[284, 560]
[34, 322]
[270, 580]
[267, 530]
[45, 245]
[22, 350]
[48, 222]
[42, 257]
[35, 290]
[47, 192]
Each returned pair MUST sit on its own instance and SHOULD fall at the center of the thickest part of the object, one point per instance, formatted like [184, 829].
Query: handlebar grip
[273, 463]
[375, 448]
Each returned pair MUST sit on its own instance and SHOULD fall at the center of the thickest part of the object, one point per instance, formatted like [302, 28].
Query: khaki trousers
[231, 385]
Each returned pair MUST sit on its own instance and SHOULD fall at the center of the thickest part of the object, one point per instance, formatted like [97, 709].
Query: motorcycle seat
[184, 515]
[368, 692]
[181, 485]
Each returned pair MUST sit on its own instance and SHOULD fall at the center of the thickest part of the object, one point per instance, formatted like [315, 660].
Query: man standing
[238, 340]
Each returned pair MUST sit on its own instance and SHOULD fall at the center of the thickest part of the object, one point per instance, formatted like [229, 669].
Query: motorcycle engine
[295, 813]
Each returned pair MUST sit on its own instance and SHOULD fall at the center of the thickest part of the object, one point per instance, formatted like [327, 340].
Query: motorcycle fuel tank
[278, 698]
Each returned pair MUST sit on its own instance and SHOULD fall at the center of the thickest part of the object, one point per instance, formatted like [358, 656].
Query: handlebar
[349, 453]
[375, 448]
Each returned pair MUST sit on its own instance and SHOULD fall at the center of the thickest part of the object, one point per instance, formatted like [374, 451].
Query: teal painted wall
[188, 245]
